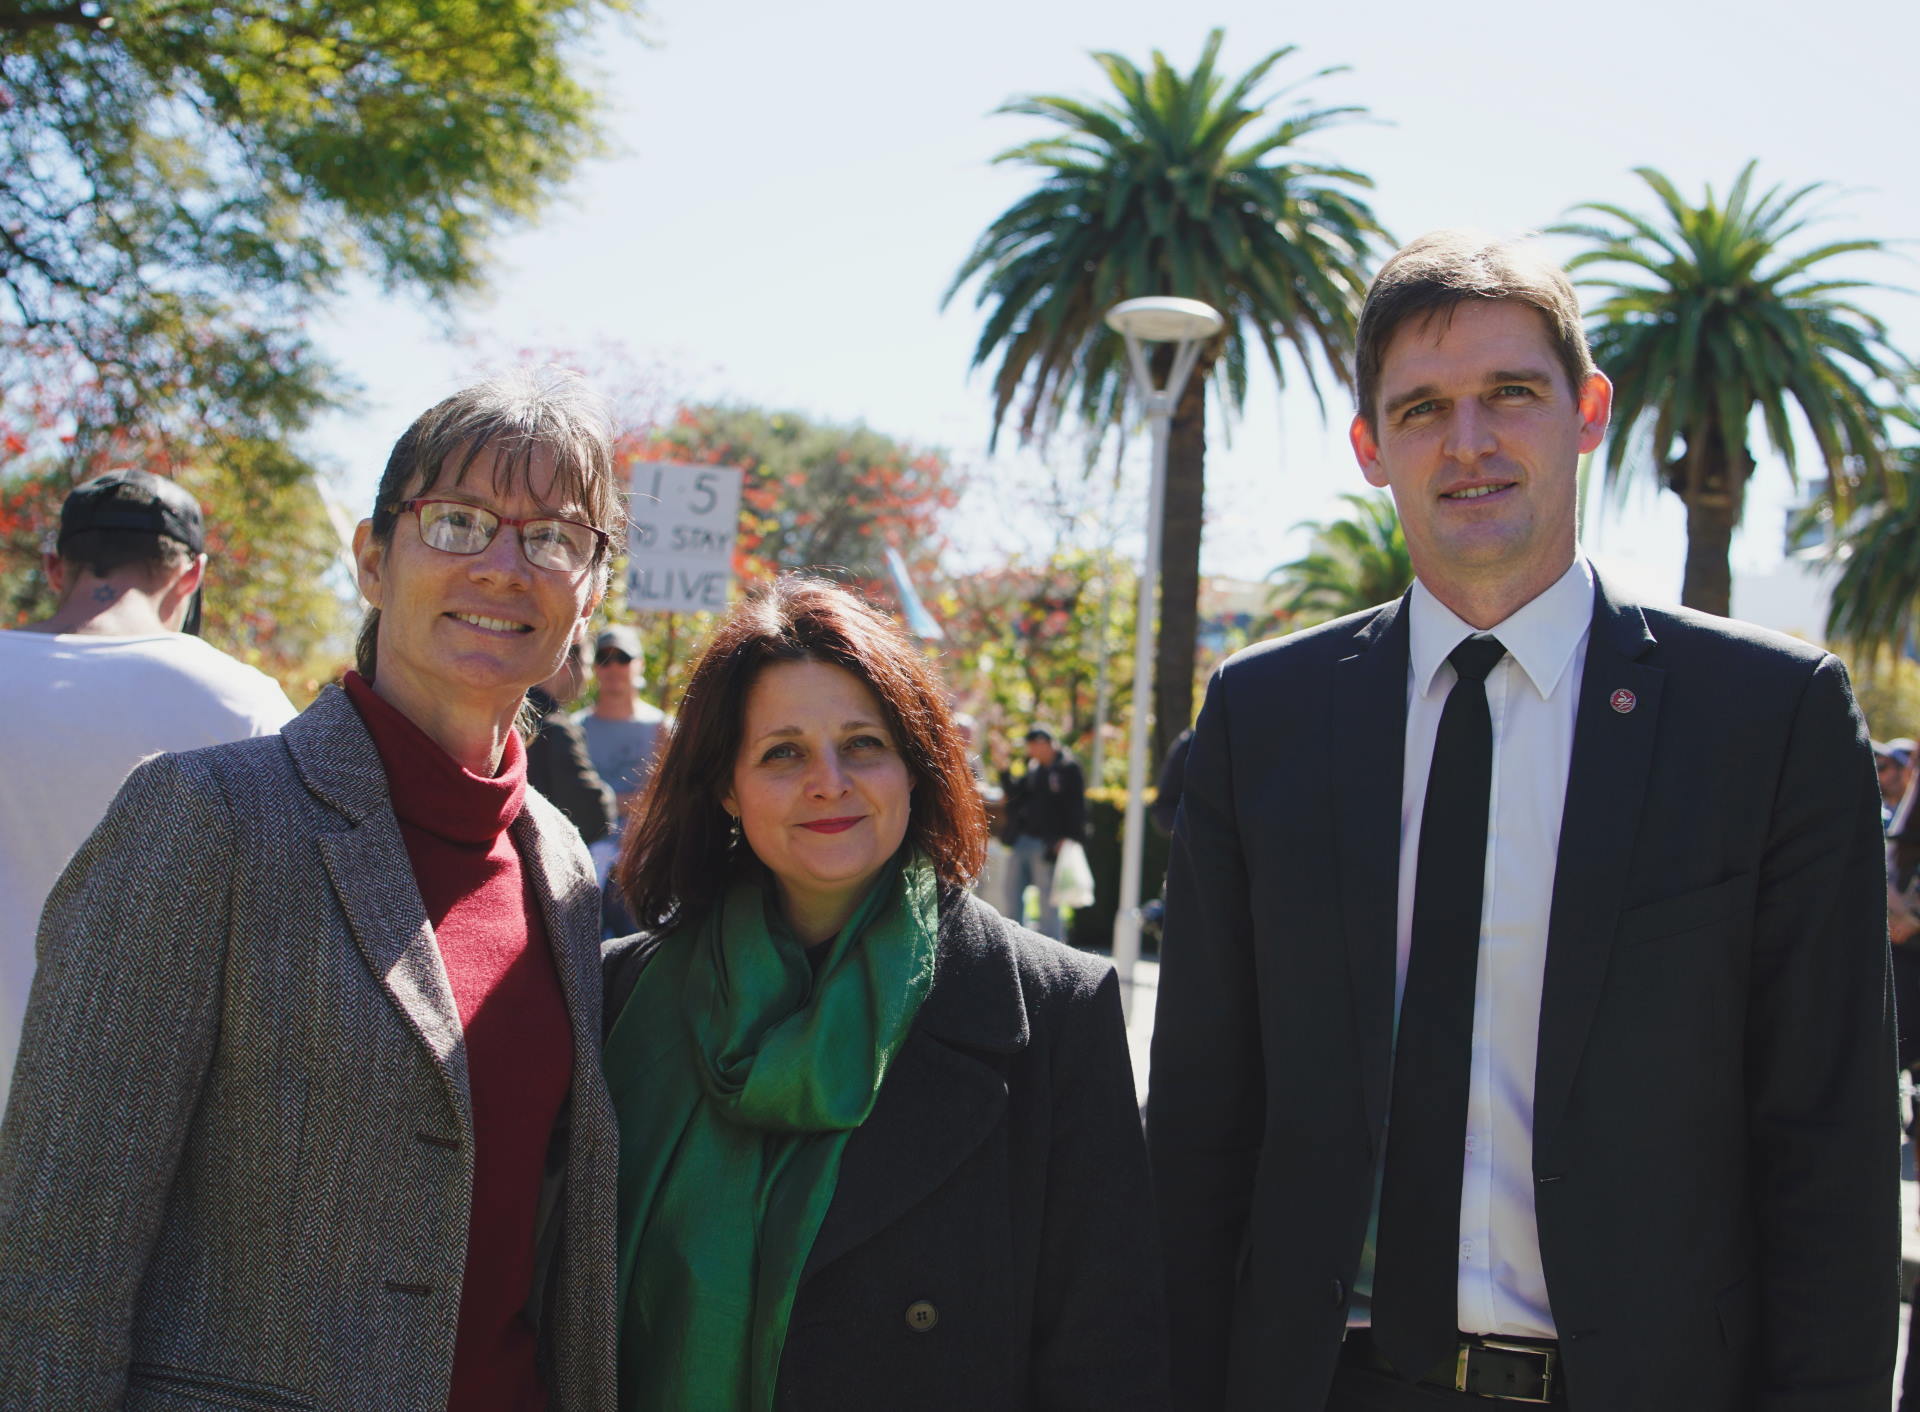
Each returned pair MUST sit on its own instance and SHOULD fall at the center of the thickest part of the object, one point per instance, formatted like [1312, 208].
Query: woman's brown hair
[678, 857]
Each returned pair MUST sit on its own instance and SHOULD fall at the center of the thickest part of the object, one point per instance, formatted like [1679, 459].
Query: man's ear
[1596, 410]
[369, 562]
[174, 600]
[55, 568]
[1366, 451]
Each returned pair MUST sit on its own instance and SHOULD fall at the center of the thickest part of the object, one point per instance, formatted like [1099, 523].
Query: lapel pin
[1623, 701]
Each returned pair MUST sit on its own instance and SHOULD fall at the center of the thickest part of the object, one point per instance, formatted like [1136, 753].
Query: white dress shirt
[1531, 696]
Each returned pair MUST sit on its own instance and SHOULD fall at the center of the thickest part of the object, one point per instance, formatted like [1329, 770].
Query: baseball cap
[620, 638]
[134, 500]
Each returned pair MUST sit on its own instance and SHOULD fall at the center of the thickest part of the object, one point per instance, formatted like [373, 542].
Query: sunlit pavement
[1146, 985]
[1146, 988]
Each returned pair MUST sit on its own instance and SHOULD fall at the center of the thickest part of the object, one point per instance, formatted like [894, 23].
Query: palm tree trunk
[1185, 507]
[1709, 577]
[1713, 483]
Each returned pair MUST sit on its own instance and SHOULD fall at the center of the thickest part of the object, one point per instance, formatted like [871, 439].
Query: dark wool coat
[989, 1247]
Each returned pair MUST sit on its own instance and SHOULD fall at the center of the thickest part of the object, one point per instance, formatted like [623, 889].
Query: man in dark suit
[1522, 1027]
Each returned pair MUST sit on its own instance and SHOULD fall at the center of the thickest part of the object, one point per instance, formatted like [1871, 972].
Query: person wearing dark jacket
[1046, 806]
[557, 761]
[879, 1146]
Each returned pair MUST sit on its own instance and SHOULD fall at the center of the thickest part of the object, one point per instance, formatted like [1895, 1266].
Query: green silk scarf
[738, 1074]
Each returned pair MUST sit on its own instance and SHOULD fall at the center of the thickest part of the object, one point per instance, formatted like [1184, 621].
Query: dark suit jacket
[1714, 1134]
[1001, 1179]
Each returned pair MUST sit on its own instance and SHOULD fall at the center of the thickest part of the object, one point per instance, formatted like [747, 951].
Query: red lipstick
[832, 825]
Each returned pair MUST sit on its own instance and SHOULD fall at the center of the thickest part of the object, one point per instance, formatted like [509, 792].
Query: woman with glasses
[309, 1110]
[879, 1146]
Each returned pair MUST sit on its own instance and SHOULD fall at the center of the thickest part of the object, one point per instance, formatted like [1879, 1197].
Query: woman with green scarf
[880, 1147]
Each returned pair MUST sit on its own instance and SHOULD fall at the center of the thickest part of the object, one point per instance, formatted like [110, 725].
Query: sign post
[682, 524]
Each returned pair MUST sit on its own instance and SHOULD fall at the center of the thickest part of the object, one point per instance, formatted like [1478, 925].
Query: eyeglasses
[455, 527]
[612, 657]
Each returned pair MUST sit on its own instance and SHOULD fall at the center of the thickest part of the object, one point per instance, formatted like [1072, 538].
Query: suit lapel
[557, 874]
[1366, 734]
[1600, 823]
[945, 1093]
[373, 879]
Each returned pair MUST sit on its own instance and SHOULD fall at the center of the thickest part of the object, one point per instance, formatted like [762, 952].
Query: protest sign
[680, 544]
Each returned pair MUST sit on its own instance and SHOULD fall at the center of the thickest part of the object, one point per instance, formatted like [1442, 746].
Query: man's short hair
[104, 553]
[1434, 274]
[1039, 733]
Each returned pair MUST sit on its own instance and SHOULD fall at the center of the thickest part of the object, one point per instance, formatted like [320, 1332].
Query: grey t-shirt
[622, 751]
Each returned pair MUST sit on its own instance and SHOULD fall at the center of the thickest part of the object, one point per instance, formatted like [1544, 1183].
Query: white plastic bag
[1072, 876]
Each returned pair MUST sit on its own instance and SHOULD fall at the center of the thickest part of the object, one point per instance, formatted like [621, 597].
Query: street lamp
[1187, 324]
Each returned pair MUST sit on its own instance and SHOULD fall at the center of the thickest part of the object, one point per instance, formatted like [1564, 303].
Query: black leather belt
[1491, 1366]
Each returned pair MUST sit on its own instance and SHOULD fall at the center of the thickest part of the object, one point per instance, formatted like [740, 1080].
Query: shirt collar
[1541, 636]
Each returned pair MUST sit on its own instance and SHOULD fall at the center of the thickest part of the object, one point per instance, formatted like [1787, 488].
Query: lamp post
[1186, 323]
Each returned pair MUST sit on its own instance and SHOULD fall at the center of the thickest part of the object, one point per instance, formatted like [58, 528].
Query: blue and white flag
[919, 621]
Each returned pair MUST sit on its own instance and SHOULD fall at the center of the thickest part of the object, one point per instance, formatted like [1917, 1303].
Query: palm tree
[1146, 193]
[1352, 563]
[1713, 318]
[1875, 598]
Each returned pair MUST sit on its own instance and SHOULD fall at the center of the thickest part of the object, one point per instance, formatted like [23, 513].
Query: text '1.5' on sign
[683, 520]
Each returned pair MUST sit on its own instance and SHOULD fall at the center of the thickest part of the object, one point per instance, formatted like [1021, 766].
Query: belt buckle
[1545, 1355]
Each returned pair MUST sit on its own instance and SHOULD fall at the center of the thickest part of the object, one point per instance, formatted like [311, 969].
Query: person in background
[111, 677]
[879, 1146]
[1046, 805]
[1173, 779]
[309, 1110]
[622, 731]
[1893, 766]
[557, 761]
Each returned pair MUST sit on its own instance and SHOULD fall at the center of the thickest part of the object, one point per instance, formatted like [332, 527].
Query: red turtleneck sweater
[519, 1046]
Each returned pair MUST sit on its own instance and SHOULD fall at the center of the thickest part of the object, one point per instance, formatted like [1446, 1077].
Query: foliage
[1888, 692]
[1874, 599]
[815, 494]
[180, 181]
[1352, 563]
[1716, 314]
[1024, 644]
[1147, 193]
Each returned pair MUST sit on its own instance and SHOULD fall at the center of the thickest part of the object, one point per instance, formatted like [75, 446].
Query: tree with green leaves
[1875, 597]
[1181, 184]
[1713, 312]
[1352, 562]
[182, 183]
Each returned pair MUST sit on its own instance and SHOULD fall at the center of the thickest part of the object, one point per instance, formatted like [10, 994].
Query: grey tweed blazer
[237, 1161]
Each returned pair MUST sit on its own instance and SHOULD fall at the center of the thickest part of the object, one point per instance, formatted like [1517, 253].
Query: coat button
[1339, 1293]
[922, 1316]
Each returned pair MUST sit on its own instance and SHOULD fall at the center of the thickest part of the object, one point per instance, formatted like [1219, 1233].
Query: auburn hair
[679, 856]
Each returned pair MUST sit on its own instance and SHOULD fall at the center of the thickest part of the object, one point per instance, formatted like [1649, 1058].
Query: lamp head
[1159, 318]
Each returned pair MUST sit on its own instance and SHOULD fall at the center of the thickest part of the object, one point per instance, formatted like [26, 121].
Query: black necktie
[1416, 1268]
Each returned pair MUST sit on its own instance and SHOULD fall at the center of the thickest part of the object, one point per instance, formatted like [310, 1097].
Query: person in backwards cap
[113, 676]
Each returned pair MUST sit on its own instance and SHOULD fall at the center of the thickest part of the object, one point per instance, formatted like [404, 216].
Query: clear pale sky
[792, 188]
